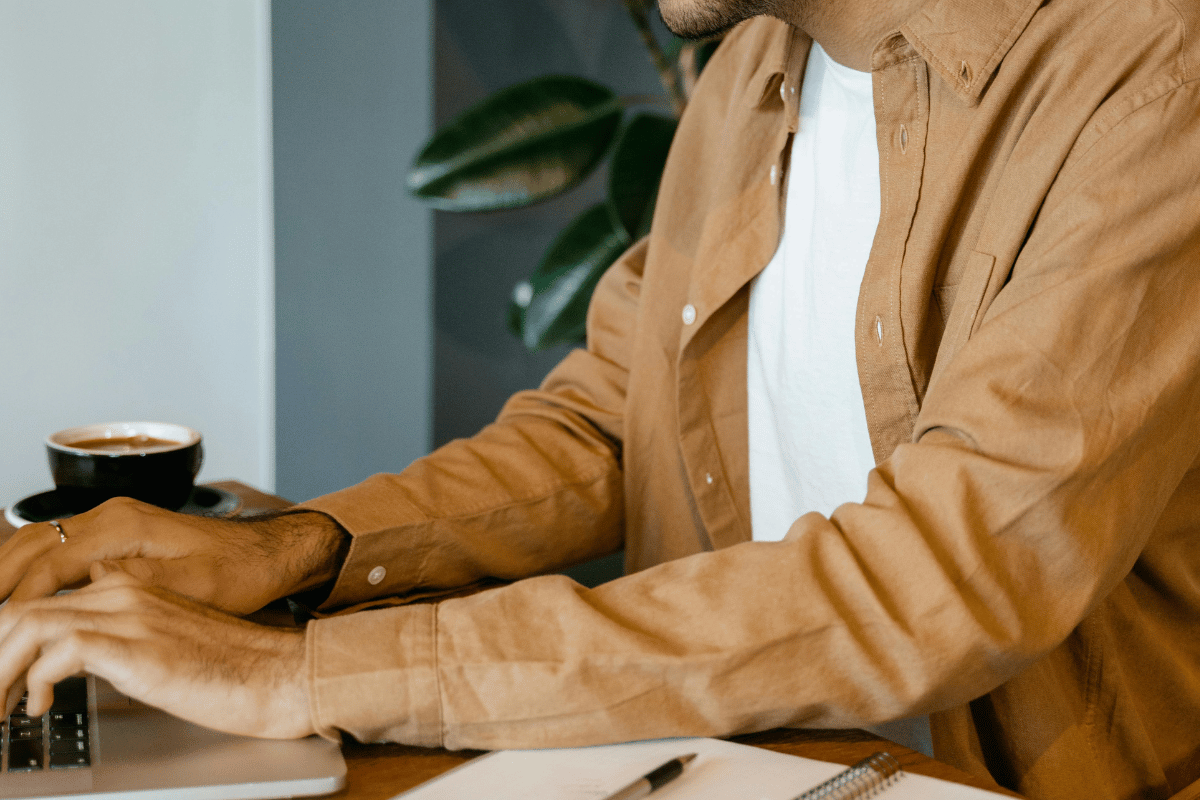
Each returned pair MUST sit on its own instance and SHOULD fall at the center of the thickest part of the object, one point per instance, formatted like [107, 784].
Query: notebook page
[721, 770]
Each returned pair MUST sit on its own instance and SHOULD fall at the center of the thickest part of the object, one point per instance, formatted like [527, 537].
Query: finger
[24, 639]
[68, 565]
[15, 692]
[142, 664]
[40, 695]
[99, 653]
[36, 562]
[93, 596]
[43, 563]
[195, 577]
[26, 545]
[20, 538]
[118, 592]
[72, 626]
[53, 572]
[42, 629]
[51, 615]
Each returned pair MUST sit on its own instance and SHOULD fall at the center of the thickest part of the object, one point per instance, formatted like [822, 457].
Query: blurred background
[203, 220]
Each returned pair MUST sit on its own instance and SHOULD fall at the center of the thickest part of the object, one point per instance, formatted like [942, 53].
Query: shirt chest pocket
[962, 305]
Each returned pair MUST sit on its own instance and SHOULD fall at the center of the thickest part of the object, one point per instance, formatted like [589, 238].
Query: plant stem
[667, 72]
[689, 67]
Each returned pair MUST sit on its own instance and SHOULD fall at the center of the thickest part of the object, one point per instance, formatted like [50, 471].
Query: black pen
[653, 780]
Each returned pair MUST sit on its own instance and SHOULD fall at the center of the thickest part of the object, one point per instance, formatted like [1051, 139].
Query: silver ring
[62, 535]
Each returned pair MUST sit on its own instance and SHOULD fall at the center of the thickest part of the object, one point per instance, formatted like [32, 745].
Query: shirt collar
[963, 41]
[784, 54]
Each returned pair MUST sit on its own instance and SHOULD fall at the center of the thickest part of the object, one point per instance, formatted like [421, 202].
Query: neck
[849, 31]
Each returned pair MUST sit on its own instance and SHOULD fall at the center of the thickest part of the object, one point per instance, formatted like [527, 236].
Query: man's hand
[162, 649]
[235, 565]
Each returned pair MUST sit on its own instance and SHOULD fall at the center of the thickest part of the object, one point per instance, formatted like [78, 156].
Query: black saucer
[205, 501]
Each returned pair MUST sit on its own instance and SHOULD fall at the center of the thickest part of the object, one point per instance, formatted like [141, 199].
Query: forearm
[541, 489]
[309, 547]
[521, 498]
[880, 616]
[693, 647]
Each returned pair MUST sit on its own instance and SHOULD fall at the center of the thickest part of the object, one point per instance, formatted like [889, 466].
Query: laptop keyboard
[58, 739]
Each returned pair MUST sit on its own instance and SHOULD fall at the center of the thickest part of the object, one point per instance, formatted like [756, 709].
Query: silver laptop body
[139, 752]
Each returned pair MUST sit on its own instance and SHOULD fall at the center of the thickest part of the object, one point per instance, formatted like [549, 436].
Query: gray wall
[135, 227]
[355, 335]
[352, 103]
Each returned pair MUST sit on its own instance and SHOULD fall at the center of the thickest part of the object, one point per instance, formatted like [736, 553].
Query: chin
[703, 19]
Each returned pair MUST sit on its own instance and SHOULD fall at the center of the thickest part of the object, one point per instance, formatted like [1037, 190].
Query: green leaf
[636, 169]
[551, 308]
[674, 47]
[521, 145]
[704, 52]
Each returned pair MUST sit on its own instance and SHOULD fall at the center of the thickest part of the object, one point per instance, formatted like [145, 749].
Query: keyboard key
[66, 719]
[25, 755]
[68, 747]
[70, 695]
[69, 760]
[58, 734]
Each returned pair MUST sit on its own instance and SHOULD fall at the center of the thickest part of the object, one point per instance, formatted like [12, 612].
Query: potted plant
[533, 141]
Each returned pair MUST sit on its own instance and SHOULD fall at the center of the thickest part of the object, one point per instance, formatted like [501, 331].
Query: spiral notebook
[720, 771]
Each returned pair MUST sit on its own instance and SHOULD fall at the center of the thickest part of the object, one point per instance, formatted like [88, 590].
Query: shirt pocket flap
[964, 311]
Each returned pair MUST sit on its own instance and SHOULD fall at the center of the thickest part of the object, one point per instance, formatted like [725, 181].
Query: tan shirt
[1026, 562]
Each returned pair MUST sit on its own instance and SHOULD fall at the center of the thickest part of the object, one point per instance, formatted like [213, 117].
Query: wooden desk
[379, 771]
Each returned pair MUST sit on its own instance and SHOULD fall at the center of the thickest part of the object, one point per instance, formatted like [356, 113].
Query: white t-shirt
[809, 446]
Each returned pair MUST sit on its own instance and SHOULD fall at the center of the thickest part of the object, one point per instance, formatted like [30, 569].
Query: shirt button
[878, 330]
[783, 91]
[903, 139]
[376, 576]
[708, 477]
[774, 174]
[689, 314]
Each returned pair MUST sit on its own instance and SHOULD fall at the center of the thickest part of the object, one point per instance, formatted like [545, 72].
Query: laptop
[97, 743]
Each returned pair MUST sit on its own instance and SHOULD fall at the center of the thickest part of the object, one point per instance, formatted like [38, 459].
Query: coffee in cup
[155, 462]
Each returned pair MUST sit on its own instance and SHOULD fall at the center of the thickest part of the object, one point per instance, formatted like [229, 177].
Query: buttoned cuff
[375, 517]
[373, 675]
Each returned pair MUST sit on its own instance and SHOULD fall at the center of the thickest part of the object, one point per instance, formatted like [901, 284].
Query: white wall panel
[135, 226]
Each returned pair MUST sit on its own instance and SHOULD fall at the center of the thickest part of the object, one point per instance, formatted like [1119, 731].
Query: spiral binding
[865, 779]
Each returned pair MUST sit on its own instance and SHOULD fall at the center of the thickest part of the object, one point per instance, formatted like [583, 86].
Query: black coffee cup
[155, 462]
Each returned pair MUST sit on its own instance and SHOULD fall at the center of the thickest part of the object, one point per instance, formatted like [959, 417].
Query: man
[1023, 564]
